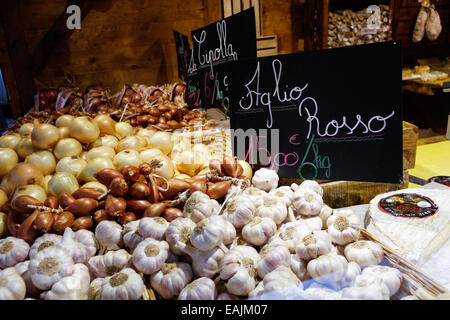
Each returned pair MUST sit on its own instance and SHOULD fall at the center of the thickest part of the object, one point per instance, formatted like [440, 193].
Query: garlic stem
[223, 247]
[291, 215]
[44, 208]
[182, 197]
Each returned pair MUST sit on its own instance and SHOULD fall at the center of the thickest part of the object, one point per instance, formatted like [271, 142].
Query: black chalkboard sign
[183, 53]
[338, 113]
[215, 45]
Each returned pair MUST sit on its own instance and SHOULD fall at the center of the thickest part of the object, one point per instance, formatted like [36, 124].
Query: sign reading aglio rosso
[215, 46]
[333, 114]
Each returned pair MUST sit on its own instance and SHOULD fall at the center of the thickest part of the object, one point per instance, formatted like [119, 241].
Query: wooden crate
[267, 46]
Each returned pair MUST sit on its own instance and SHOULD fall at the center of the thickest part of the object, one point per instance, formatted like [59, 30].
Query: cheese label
[408, 205]
[445, 180]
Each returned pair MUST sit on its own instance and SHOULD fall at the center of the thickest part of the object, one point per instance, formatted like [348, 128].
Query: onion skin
[154, 193]
[106, 124]
[130, 173]
[139, 190]
[13, 222]
[51, 202]
[105, 176]
[175, 186]
[65, 200]
[155, 210]
[84, 130]
[44, 135]
[44, 221]
[24, 174]
[87, 193]
[82, 223]
[218, 190]
[118, 187]
[138, 206]
[20, 204]
[26, 230]
[145, 169]
[115, 206]
[127, 217]
[64, 220]
[82, 206]
[230, 166]
[100, 215]
[171, 214]
[198, 185]
[8, 160]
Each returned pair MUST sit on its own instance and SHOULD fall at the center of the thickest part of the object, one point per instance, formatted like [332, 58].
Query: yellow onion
[73, 165]
[204, 170]
[145, 132]
[93, 166]
[247, 169]
[131, 142]
[9, 141]
[8, 159]
[67, 147]
[107, 152]
[32, 190]
[123, 129]
[105, 141]
[64, 120]
[189, 162]
[127, 157]
[147, 154]
[106, 124]
[83, 155]
[4, 186]
[179, 147]
[44, 135]
[62, 182]
[95, 185]
[166, 169]
[84, 130]
[64, 132]
[161, 140]
[23, 174]
[45, 181]
[3, 198]
[25, 147]
[26, 129]
[43, 159]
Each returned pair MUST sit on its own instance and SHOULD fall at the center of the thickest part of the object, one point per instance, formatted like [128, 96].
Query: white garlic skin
[281, 278]
[291, 232]
[124, 285]
[199, 206]
[44, 241]
[22, 269]
[343, 227]
[200, 289]
[229, 231]
[106, 265]
[391, 277]
[314, 223]
[321, 293]
[255, 195]
[259, 231]
[77, 250]
[284, 194]
[226, 296]
[179, 230]
[95, 288]
[171, 279]
[259, 290]
[324, 214]
[150, 255]
[307, 202]
[73, 287]
[328, 269]
[153, 227]
[87, 238]
[58, 263]
[109, 235]
[365, 253]
[206, 263]
[265, 179]
[12, 251]
[272, 258]
[273, 208]
[368, 287]
[131, 236]
[311, 185]
[298, 267]
[314, 244]
[240, 211]
[353, 271]
[12, 286]
[208, 233]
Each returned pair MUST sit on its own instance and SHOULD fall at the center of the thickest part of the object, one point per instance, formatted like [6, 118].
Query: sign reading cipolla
[333, 114]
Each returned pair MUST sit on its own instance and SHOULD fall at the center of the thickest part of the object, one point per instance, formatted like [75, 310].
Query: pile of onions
[93, 166]
[44, 160]
[25, 147]
[102, 151]
[44, 135]
[84, 130]
[64, 120]
[73, 165]
[68, 147]
[8, 159]
[123, 129]
[32, 190]
[128, 157]
[9, 141]
[24, 173]
[26, 129]
[62, 182]
[106, 124]
[161, 140]
[106, 141]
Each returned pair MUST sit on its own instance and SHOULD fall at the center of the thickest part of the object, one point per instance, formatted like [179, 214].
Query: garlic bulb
[312, 185]
[179, 231]
[391, 277]
[208, 233]
[87, 238]
[95, 288]
[109, 235]
[74, 287]
[291, 232]
[200, 289]
[123, 285]
[365, 253]
[23, 269]
[239, 211]
[199, 206]
[368, 287]
[12, 286]
[44, 241]
[328, 269]
[265, 179]
[314, 223]
[353, 271]
[324, 214]
[108, 264]
[343, 227]
[78, 251]
[298, 266]
[238, 269]
[280, 278]
[49, 266]
[12, 251]
[259, 290]
[255, 195]
[204, 263]
[229, 231]
[321, 293]
[131, 236]
[271, 258]
[272, 208]
[314, 244]
[307, 202]
[284, 194]
[226, 296]
[171, 279]
[150, 255]
[153, 227]
[258, 231]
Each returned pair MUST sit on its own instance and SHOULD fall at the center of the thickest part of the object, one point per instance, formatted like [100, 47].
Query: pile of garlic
[263, 242]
